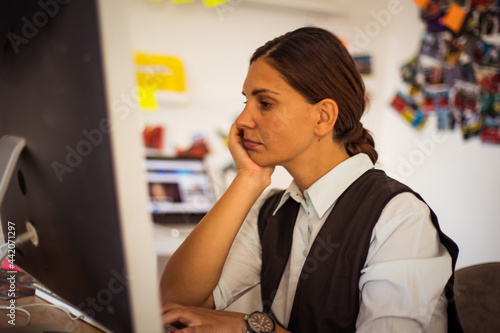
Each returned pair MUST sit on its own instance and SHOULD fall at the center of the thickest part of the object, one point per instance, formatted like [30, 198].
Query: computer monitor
[67, 87]
[180, 190]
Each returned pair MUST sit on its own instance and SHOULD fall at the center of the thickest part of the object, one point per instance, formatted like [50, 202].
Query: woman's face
[277, 123]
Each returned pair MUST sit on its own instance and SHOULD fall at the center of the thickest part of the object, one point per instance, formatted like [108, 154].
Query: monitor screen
[65, 67]
[180, 190]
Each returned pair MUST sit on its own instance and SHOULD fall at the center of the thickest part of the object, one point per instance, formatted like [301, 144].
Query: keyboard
[169, 328]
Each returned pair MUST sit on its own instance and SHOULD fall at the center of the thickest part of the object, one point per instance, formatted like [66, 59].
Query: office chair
[477, 294]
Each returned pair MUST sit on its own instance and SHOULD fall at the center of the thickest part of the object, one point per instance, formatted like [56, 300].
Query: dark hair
[317, 65]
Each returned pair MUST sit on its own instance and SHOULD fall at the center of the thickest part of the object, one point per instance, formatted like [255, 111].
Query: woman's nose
[245, 118]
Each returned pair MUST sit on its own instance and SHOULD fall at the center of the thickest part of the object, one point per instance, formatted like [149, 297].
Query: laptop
[180, 190]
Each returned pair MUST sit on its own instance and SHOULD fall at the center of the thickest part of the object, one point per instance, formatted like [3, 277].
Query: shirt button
[304, 253]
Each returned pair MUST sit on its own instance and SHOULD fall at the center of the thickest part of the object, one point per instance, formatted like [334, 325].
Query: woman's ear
[328, 113]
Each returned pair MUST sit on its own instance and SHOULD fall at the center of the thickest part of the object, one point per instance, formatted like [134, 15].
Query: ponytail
[358, 140]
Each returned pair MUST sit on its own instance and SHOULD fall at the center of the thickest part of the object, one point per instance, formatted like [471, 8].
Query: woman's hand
[201, 320]
[244, 164]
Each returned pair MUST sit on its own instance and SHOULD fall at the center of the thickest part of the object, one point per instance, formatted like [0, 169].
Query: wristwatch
[259, 322]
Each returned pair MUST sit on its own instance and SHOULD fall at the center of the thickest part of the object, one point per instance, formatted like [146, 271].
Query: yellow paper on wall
[157, 73]
[180, 1]
[213, 3]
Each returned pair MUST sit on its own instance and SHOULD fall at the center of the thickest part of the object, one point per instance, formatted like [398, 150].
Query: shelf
[319, 6]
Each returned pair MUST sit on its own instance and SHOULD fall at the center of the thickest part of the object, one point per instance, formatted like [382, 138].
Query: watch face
[261, 323]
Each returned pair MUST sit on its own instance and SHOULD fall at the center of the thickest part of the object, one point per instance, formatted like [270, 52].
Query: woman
[344, 248]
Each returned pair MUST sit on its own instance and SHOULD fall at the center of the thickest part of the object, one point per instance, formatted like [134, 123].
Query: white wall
[460, 180]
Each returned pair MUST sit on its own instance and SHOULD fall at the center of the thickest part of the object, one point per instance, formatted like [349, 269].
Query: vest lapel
[280, 239]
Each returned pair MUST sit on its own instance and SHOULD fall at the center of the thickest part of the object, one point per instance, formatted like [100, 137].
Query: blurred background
[458, 178]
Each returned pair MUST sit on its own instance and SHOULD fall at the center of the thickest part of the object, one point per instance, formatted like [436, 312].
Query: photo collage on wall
[456, 74]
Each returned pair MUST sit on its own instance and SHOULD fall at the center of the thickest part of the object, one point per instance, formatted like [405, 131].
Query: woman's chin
[261, 160]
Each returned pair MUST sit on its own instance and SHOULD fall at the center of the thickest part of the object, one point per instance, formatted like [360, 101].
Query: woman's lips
[249, 144]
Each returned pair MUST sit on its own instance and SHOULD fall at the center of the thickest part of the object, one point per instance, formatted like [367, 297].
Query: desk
[167, 238]
[43, 315]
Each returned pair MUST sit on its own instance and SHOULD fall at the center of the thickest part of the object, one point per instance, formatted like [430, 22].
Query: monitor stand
[10, 150]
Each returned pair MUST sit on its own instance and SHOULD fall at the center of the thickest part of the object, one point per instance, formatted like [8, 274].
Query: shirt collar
[326, 190]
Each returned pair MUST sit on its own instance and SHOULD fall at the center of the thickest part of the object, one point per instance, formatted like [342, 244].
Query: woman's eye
[265, 105]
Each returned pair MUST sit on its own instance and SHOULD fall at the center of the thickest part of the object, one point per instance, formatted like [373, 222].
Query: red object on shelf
[198, 149]
[153, 137]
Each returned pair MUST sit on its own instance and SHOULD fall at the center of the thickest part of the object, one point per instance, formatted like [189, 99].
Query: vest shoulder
[379, 181]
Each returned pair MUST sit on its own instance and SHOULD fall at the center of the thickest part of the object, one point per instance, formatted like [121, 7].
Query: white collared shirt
[402, 281]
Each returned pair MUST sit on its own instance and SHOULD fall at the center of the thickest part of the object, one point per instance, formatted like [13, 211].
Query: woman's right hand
[244, 164]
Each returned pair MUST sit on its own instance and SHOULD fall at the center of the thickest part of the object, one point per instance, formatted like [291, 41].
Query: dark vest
[327, 295]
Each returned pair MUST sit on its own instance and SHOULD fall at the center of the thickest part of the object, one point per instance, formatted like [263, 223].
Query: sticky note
[213, 3]
[180, 1]
[454, 17]
[157, 73]
[422, 3]
[146, 98]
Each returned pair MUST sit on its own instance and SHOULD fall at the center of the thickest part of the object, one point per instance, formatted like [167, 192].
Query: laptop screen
[180, 190]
